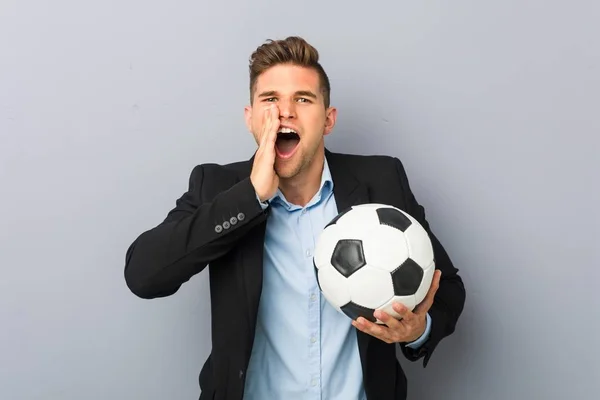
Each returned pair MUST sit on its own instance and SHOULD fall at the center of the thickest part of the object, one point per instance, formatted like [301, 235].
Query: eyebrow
[271, 93]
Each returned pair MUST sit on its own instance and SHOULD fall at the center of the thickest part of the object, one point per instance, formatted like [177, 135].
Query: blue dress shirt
[304, 348]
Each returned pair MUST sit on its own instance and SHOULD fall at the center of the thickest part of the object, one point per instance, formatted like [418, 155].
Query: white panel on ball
[363, 217]
[370, 287]
[419, 243]
[334, 286]
[370, 206]
[385, 247]
[408, 301]
[425, 283]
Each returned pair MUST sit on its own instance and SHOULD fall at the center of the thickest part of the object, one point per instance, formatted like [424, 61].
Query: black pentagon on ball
[354, 311]
[394, 218]
[337, 217]
[407, 278]
[348, 256]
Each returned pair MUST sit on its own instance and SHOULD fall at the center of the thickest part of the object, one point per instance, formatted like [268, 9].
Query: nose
[287, 109]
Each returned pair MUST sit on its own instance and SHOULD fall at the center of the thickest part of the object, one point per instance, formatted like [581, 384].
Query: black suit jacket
[218, 222]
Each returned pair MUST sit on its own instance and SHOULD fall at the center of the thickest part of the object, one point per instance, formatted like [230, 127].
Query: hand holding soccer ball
[375, 263]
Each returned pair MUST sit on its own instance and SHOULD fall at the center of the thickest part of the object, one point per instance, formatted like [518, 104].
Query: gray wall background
[106, 106]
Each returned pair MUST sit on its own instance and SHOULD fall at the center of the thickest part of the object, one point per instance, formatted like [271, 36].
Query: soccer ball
[370, 256]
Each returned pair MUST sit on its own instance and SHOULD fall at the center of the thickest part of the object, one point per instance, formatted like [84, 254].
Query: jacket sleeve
[450, 297]
[193, 234]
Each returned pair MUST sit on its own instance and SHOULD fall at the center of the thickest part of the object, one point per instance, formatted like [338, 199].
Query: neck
[302, 187]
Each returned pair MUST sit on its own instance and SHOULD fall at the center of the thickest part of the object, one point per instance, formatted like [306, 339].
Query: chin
[285, 172]
[288, 169]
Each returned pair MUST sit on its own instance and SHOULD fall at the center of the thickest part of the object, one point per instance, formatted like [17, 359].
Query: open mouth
[287, 142]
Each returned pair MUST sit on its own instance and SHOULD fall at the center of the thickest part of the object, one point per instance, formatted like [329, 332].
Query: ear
[248, 117]
[330, 118]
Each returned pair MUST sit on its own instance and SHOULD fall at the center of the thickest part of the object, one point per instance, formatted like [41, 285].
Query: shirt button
[313, 297]
[313, 339]
[308, 253]
[304, 211]
[313, 382]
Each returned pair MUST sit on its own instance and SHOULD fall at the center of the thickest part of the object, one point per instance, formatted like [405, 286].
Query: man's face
[296, 93]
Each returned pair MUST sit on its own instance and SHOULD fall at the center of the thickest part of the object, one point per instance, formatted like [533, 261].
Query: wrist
[422, 328]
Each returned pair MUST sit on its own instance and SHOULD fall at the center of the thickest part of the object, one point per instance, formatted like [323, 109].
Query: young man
[255, 223]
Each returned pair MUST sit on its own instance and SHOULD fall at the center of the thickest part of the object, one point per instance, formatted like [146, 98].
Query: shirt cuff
[263, 204]
[419, 342]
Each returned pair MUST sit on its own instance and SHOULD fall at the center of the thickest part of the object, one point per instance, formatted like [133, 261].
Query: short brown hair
[291, 50]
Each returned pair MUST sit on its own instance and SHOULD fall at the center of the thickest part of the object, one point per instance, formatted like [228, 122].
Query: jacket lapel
[347, 189]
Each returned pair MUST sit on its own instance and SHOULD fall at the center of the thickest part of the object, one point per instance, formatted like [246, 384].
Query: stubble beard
[288, 169]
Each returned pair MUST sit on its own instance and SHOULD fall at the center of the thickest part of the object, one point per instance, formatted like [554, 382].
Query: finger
[426, 304]
[403, 312]
[379, 331]
[387, 319]
[266, 126]
[274, 128]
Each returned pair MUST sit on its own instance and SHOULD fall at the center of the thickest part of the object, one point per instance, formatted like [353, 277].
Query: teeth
[287, 130]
